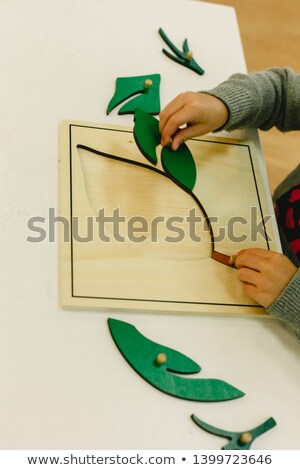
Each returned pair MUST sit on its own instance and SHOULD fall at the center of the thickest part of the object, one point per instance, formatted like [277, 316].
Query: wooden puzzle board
[158, 267]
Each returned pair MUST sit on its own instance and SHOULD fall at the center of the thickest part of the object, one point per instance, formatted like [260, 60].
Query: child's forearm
[262, 99]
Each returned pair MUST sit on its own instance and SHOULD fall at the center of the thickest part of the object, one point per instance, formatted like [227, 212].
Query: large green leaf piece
[147, 98]
[142, 354]
[146, 134]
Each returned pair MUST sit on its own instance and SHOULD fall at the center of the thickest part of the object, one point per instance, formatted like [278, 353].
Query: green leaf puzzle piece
[238, 440]
[179, 165]
[147, 89]
[158, 365]
[146, 134]
[183, 57]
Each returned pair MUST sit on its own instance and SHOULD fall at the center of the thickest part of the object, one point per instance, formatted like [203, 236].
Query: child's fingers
[173, 123]
[186, 133]
[266, 271]
[250, 260]
[171, 126]
[256, 251]
[254, 286]
[250, 290]
[172, 108]
[249, 276]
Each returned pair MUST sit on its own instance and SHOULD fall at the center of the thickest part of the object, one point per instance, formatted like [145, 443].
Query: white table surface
[64, 385]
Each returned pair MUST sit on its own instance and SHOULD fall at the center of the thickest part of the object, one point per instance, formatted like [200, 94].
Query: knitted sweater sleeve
[287, 306]
[261, 99]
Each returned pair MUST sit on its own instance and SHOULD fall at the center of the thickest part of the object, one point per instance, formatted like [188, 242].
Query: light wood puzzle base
[148, 256]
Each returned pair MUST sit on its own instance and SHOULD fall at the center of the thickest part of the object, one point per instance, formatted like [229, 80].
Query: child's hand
[264, 274]
[201, 113]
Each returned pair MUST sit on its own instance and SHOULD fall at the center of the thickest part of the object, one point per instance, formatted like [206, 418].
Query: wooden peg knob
[231, 260]
[161, 359]
[148, 83]
[189, 55]
[245, 438]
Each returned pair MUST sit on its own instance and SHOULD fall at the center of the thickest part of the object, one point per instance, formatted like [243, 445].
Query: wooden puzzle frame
[105, 277]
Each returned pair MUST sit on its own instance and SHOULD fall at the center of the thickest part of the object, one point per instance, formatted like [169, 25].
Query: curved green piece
[127, 87]
[180, 165]
[180, 56]
[146, 134]
[238, 440]
[142, 353]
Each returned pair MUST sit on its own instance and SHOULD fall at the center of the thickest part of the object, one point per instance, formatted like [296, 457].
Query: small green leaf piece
[148, 97]
[180, 166]
[146, 134]
[156, 364]
[181, 57]
[238, 440]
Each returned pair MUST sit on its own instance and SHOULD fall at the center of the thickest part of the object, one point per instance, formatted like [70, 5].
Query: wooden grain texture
[271, 35]
[103, 169]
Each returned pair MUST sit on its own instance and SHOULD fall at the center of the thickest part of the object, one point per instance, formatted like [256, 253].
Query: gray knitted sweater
[263, 100]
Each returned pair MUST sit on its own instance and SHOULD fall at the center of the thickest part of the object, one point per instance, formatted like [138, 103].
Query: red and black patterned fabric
[288, 217]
